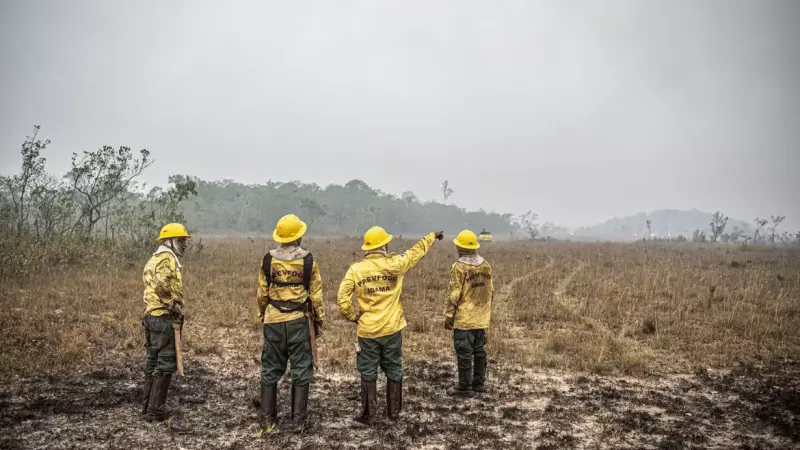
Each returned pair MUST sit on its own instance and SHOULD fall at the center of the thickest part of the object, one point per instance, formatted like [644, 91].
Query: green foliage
[17, 188]
[140, 216]
[96, 216]
[99, 178]
[227, 206]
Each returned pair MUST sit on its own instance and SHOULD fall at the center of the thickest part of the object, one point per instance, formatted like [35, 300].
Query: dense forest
[227, 207]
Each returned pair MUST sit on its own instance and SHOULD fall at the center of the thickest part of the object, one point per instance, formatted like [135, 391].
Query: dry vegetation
[646, 315]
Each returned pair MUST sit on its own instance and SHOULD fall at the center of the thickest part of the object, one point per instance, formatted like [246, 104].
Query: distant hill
[663, 223]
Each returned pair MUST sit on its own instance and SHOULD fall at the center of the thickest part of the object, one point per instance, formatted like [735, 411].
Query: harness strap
[286, 306]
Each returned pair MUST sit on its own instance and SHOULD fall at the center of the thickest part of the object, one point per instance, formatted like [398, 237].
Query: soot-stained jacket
[163, 283]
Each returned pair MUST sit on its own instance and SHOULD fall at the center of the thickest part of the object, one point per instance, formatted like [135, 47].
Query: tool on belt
[286, 307]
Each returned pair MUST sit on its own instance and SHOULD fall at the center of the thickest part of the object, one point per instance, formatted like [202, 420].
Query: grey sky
[579, 110]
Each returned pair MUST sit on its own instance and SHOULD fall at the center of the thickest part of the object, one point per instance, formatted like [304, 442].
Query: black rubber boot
[267, 408]
[369, 402]
[157, 409]
[479, 373]
[464, 386]
[299, 407]
[394, 399]
[148, 384]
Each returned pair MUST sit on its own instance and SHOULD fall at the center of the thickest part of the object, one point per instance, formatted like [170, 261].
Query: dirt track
[745, 408]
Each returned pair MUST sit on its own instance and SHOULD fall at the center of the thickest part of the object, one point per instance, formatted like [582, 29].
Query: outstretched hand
[439, 235]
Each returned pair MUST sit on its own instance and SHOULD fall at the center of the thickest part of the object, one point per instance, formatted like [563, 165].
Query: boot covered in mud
[268, 412]
[369, 402]
[464, 386]
[299, 407]
[148, 384]
[479, 375]
[157, 409]
[394, 399]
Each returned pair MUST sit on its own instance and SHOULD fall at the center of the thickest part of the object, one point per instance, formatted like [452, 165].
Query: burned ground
[747, 407]
[592, 346]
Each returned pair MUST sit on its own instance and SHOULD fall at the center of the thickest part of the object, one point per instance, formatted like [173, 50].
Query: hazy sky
[579, 110]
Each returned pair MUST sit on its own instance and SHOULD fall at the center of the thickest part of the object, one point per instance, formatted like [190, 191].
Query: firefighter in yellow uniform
[289, 289]
[468, 311]
[377, 281]
[163, 298]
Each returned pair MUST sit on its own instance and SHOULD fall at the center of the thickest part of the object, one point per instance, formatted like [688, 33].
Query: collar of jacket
[472, 260]
[377, 254]
[163, 248]
[289, 253]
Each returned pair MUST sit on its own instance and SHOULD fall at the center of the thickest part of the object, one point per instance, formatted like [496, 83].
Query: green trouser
[469, 346]
[287, 341]
[386, 352]
[160, 344]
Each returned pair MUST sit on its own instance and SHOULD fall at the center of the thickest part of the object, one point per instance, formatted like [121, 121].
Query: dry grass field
[591, 346]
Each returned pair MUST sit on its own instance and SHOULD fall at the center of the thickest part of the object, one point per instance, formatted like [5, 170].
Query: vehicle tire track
[504, 313]
[574, 305]
[508, 288]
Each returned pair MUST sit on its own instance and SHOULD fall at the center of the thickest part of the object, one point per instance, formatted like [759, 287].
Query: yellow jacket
[162, 282]
[377, 281]
[287, 266]
[471, 290]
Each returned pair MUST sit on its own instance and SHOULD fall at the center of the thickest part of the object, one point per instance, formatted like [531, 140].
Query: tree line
[98, 202]
[228, 206]
[764, 232]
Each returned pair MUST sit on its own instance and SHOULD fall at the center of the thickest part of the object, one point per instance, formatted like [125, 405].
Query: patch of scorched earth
[100, 410]
[747, 407]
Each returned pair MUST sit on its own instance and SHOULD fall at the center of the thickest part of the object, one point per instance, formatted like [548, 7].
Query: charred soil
[747, 407]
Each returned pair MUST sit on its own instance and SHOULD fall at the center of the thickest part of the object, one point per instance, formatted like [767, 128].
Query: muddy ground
[747, 407]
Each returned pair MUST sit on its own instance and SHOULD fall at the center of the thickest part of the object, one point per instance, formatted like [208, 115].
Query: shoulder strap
[267, 268]
[308, 265]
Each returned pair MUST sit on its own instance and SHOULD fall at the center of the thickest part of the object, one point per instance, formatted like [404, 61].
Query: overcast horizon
[579, 111]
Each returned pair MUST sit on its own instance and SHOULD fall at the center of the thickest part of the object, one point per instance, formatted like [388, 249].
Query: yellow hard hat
[467, 239]
[289, 229]
[375, 237]
[172, 230]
